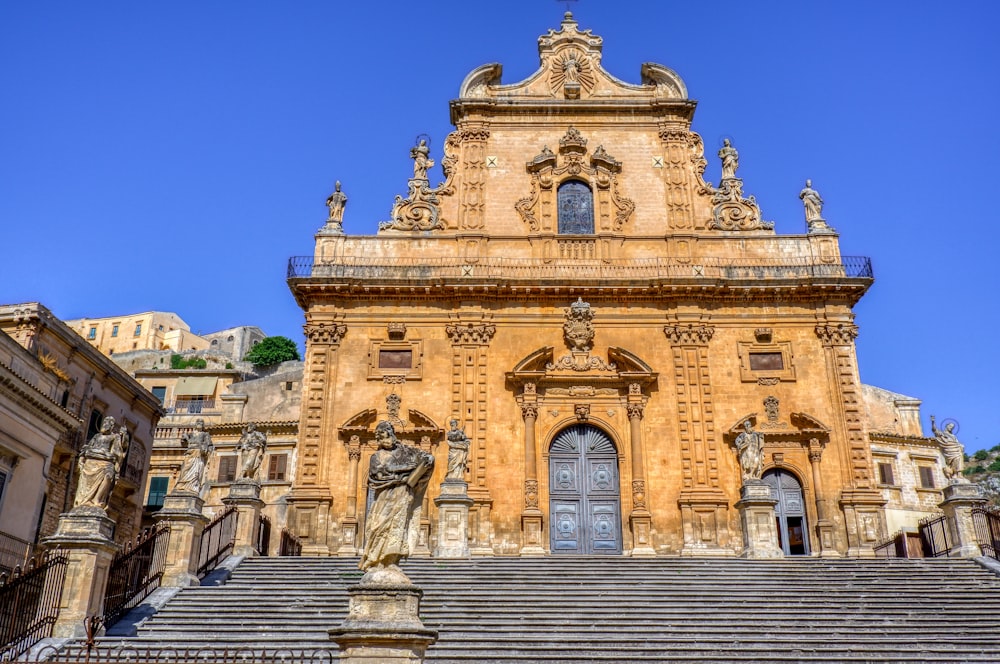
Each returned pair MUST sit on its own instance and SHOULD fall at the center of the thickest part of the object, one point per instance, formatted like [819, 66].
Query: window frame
[277, 467]
[226, 460]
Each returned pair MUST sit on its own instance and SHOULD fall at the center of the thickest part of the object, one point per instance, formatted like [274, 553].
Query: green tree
[981, 455]
[272, 350]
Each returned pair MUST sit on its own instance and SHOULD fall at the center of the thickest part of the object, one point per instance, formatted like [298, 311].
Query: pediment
[535, 362]
[628, 362]
[363, 420]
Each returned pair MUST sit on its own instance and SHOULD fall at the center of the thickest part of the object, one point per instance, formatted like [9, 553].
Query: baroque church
[601, 321]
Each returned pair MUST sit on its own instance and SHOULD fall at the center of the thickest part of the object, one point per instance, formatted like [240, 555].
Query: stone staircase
[585, 609]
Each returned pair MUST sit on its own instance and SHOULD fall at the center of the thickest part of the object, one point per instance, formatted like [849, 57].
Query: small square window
[227, 468]
[926, 477]
[92, 334]
[289, 385]
[885, 474]
[276, 467]
[114, 330]
[138, 329]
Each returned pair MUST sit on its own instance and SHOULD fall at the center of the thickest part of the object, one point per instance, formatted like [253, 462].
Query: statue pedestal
[641, 523]
[84, 534]
[245, 495]
[531, 532]
[959, 499]
[453, 519]
[383, 621]
[182, 513]
[760, 534]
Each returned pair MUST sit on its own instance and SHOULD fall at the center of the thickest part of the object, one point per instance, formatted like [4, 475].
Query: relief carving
[531, 494]
[578, 331]
[419, 210]
[639, 494]
[582, 411]
[470, 333]
[325, 333]
[732, 211]
[580, 391]
[689, 335]
[840, 334]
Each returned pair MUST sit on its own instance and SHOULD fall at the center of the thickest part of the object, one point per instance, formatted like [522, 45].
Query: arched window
[576, 208]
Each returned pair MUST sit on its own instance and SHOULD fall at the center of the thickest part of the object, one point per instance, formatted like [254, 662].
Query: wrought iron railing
[890, 546]
[135, 572]
[935, 533]
[264, 535]
[505, 270]
[217, 540]
[290, 544]
[29, 603]
[14, 552]
[121, 652]
[191, 406]
[987, 524]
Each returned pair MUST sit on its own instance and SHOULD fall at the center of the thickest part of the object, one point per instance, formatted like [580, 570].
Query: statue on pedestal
[812, 202]
[336, 202]
[730, 160]
[199, 447]
[421, 160]
[251, 448]
[398, 474]
[100, 464]
[458, 452]
[953, 451]
[750, 448]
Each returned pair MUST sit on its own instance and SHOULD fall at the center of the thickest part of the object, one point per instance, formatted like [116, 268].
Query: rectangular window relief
[885, 474]
[769, 362]
[395, 359]
[766, 362]
[227, 468]
[926, 477]
[402, 360]
[276, 467]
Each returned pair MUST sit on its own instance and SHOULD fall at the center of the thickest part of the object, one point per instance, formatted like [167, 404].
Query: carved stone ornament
[768, 382]
[571, 73]
[419, 210]
[479, 334]
[635, 410]
[639, 494]
[394, 379]
[579, 327]
[763, 335]
[582, 411]
[731, 210]
[548, 170]
[580, 391]
[530, 388]
[841, 334]
[396, 331]
[325, 333]
[336, 204]
[392, 404]
[634, 389]
[771, 404]
[529, 410]
[531, 494]
[689, 335]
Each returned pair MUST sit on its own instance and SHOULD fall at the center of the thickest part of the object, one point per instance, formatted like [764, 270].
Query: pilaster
[640, 520]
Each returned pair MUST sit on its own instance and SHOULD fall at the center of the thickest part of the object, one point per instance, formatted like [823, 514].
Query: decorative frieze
[476, 334]
[689, 334]
[841, 334]
[325, 333]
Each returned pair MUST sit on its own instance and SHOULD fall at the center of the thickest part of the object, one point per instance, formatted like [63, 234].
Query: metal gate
[584, 499]
[790, 511]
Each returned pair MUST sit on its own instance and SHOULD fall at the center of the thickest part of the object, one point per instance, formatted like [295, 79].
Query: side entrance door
[584, 499]
[790, 512]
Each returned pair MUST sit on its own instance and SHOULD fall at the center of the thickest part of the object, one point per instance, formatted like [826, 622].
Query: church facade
[602, 322]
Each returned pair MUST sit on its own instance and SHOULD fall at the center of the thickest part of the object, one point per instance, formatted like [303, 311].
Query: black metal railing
[119, 652]
[29, 603]
[14, 552]
[890, 546]
[987, 523]
[135, 572]
[217, 540]
[264, 535]
[191, 406]
[935, 534]
[505, 270]
[290, 544]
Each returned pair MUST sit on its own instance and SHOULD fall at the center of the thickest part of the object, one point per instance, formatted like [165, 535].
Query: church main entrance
[790, 512]
[584, 500]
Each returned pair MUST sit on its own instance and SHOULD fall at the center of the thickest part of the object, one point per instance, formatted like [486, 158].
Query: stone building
[42, 431]
[600, 319]
[152, 330]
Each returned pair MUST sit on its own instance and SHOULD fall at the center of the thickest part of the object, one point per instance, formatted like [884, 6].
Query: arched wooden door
[584, 498]
[793, 536]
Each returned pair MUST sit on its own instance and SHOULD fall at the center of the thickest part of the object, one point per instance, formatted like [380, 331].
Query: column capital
[325, 332]
[689, 334]
[841, 334]
[529, 410]
[635, 410]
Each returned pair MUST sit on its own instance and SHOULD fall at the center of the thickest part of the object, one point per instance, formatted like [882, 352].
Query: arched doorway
[793, 536]
[584, 499]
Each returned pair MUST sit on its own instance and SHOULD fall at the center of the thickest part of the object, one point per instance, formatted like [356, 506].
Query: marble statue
[730, 160]
[421, 160]
[100, 463]
[199, 447]
[398, 475]
[458, 452]
[812, 202]
[750, 448]
[251, 448]
[336, 202]
[953, 451]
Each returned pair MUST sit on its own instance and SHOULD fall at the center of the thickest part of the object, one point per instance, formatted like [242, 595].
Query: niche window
[395, 358]
[576, 208]
[766, 362]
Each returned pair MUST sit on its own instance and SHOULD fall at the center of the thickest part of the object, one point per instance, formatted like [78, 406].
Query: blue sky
[172, 156]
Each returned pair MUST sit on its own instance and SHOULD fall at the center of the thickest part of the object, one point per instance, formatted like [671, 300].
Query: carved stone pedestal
[84, 534]
[383, 621]
[641, 523]
[760, 533]
[959, 499]
[245, 495]
[705, 519]
[531, 532]
[827, 548]
[182, 513]
[453, 519]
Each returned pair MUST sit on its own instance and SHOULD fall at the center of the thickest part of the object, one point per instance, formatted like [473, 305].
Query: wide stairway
[585, 609]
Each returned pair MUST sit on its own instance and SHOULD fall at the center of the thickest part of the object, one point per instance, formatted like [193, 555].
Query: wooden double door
[584, 493]
[790, 512]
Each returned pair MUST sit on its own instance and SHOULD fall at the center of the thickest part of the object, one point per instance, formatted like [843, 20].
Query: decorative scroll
[419, 210]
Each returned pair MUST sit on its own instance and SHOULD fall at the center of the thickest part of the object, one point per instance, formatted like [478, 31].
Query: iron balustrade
[290, 544]
[987, 524]
[935, 533]
[14, 552]
[124, 653]
[217, 540]
[135, 572]
[190, 406]
[500, 271]
[890, 547]
[29, 603]
[264, 535]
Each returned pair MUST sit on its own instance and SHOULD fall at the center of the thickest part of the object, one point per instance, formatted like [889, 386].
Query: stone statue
[398, 475]
[251, 448]
[953, 451]
[458, 452]
[730, 160]
[421, 160]
[199, 448]
[750, 448]
[812, 202]
[100, 463]
[336, 202]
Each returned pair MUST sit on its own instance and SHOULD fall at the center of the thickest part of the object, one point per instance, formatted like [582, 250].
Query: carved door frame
[789, 508]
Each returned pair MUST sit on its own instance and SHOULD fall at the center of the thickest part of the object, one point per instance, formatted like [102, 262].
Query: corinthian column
[349, 525]
[531, 517]
[639, 519]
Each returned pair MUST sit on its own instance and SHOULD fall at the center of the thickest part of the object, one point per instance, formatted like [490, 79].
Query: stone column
[760, 532]
[383, 621]
[959, 499]
[639, 520]
[531, 516]
[84, 534]
[349, 525]
[824, 526]
[182, 513]
[245, 495]
[453, 519]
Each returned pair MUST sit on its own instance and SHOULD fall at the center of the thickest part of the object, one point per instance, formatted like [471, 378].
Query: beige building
[43, 430]
[152, 330]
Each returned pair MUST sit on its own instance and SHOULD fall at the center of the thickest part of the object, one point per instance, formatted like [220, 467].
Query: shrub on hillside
[272, 350]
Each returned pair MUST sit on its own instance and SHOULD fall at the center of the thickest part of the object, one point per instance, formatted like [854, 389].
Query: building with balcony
[152, 330]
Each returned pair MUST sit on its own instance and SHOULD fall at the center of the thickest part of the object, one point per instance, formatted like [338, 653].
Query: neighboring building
[235, 342]
[152, 330]
[602, 321]
[76, 388]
